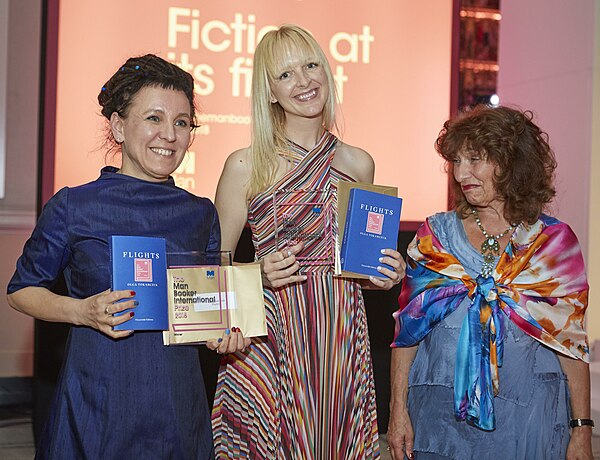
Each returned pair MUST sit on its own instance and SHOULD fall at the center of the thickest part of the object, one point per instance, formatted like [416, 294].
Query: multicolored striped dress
[305, 391]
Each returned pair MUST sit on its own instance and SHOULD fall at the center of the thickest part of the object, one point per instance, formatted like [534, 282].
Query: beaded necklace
[490, 248]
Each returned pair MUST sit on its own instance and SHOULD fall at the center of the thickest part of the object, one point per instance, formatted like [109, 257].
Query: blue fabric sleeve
[214, 242]
[46, 253]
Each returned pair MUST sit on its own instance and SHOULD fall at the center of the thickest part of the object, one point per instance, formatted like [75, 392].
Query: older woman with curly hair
[490, 352]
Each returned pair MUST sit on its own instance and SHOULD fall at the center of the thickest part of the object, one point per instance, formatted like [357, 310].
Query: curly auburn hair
[508, 138]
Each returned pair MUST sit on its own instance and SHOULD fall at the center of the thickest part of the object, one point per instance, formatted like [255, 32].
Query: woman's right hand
[400, 435]
[99, 312]
[232, 341]
[280, 268]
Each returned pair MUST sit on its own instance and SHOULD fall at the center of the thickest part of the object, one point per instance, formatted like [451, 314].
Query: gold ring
[106, 311]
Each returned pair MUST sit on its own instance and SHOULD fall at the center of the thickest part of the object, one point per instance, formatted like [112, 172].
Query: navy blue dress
[133, 397]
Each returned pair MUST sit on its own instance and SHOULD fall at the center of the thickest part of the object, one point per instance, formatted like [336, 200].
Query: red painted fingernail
[132, 293]
[131, 314]
[234, 329]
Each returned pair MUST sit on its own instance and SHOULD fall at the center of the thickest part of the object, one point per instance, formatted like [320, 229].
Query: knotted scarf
[539, 283]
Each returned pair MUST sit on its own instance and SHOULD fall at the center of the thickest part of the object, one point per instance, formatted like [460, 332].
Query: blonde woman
[305, 391]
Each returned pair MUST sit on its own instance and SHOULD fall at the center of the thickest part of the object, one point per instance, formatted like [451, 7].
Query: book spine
[349, 214]
[111, 244]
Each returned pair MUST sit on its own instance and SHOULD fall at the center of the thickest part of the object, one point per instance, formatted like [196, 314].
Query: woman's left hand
[232, 341]
[392, 276]
[580, 444]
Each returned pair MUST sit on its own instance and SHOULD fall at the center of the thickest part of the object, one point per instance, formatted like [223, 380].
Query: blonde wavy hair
[268, 119]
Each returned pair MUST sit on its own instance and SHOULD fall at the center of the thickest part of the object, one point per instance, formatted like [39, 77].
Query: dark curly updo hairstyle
[508, 138]
[138, 72]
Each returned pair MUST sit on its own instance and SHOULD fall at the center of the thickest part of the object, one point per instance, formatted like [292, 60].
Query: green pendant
[489, 258]
[490, 244]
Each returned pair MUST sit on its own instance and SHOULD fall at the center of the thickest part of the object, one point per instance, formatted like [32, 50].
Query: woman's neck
[492, 217]
[304, 131]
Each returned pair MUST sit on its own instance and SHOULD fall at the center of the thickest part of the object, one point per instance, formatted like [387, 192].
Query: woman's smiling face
[300, 86]
[155, 134]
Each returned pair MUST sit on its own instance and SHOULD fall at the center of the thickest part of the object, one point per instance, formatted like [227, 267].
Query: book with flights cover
[372, 222]
[139, 264]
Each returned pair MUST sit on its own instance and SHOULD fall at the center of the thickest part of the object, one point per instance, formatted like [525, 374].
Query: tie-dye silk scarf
[539, 284]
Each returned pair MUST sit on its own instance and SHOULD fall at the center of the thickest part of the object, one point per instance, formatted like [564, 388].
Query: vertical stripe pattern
[306, 390]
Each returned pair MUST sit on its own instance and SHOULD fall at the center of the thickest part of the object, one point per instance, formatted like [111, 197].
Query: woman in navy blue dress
[123, 394]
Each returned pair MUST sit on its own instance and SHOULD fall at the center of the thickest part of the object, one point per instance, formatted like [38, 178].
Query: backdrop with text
[391, 60]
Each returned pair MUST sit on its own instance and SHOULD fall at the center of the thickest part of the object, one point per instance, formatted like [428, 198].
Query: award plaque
[305, 216]
[207, 295]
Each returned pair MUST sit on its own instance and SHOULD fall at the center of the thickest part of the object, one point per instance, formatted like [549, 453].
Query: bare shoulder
[235, 177]
[355, 162]
[231, 197]
[239, 163]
